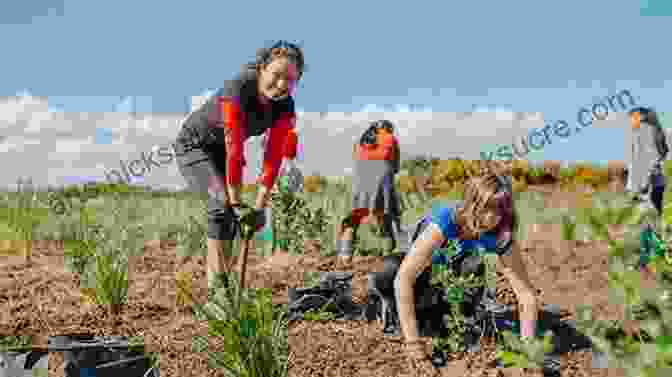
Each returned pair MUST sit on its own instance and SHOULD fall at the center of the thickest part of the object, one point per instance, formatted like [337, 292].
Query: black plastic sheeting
[484, 316]
[108, 356]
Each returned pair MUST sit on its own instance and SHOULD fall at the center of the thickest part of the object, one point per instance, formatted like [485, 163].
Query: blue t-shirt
[443, 215]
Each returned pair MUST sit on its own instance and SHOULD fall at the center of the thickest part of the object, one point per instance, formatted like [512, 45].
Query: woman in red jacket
[210, 146]
[373, 192]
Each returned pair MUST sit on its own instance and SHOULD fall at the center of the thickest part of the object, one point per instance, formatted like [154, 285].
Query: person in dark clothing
[210, 146]
[646, 179]
[649, 149]
[374, 195]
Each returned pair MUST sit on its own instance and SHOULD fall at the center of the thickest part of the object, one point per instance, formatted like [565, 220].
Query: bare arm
[514, 270]
[418, 258]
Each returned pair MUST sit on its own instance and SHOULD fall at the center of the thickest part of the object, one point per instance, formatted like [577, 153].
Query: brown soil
[43, 299]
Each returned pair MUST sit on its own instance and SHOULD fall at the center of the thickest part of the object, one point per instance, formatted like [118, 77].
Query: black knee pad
[222, 225]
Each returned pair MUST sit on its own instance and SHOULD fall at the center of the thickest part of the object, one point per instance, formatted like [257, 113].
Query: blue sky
[549, 57]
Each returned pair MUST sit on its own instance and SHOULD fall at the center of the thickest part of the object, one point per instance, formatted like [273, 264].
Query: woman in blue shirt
[485, 219]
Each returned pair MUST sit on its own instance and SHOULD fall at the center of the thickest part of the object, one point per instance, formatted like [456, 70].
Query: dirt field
[44, 300]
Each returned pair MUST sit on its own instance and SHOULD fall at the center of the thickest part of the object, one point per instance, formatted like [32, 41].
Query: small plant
[522, 353]
[568, 230]
[81, 251]
[23, 219]
[79, 254]
[254, 332]
[313, 225]
[111, 282]
[14, 341]
[454, 287]
[319, 315]
[294, 222]
[192, 237]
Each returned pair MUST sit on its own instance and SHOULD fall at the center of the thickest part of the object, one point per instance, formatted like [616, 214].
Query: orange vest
[384, 149]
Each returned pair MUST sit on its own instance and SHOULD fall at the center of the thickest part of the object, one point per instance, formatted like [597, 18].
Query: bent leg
[205, 178]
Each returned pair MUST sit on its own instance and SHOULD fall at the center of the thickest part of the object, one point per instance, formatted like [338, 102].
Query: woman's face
[277, 79]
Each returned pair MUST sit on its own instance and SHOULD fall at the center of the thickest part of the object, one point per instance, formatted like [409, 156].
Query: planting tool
[242, 262]
[242, 259]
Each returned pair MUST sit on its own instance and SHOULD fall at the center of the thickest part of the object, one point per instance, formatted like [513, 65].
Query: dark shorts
[205, 173]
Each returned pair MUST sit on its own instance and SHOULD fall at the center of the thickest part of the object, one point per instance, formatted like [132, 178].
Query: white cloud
[72, 146]
[10, 144]
[51, 144]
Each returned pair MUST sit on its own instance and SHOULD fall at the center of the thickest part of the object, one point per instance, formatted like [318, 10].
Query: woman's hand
[418, 361]
[251, 220]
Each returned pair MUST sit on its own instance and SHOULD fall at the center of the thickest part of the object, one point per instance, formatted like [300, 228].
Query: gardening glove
[251, 220]
[418, 361]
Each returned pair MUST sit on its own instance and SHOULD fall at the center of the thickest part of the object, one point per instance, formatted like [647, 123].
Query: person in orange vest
[374, 196]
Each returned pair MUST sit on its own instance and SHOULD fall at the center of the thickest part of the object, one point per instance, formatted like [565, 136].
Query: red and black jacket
[234, 114]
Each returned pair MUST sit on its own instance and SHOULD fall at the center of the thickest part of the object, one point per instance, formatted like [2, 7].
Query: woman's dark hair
[647, 114]
[280, 48]
[384, 124]
[369, 136]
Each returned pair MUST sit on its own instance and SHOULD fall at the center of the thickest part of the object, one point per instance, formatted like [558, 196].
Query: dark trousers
[205, 174]
[657, 198]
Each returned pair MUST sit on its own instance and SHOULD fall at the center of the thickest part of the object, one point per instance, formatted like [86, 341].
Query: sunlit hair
[474, 216]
